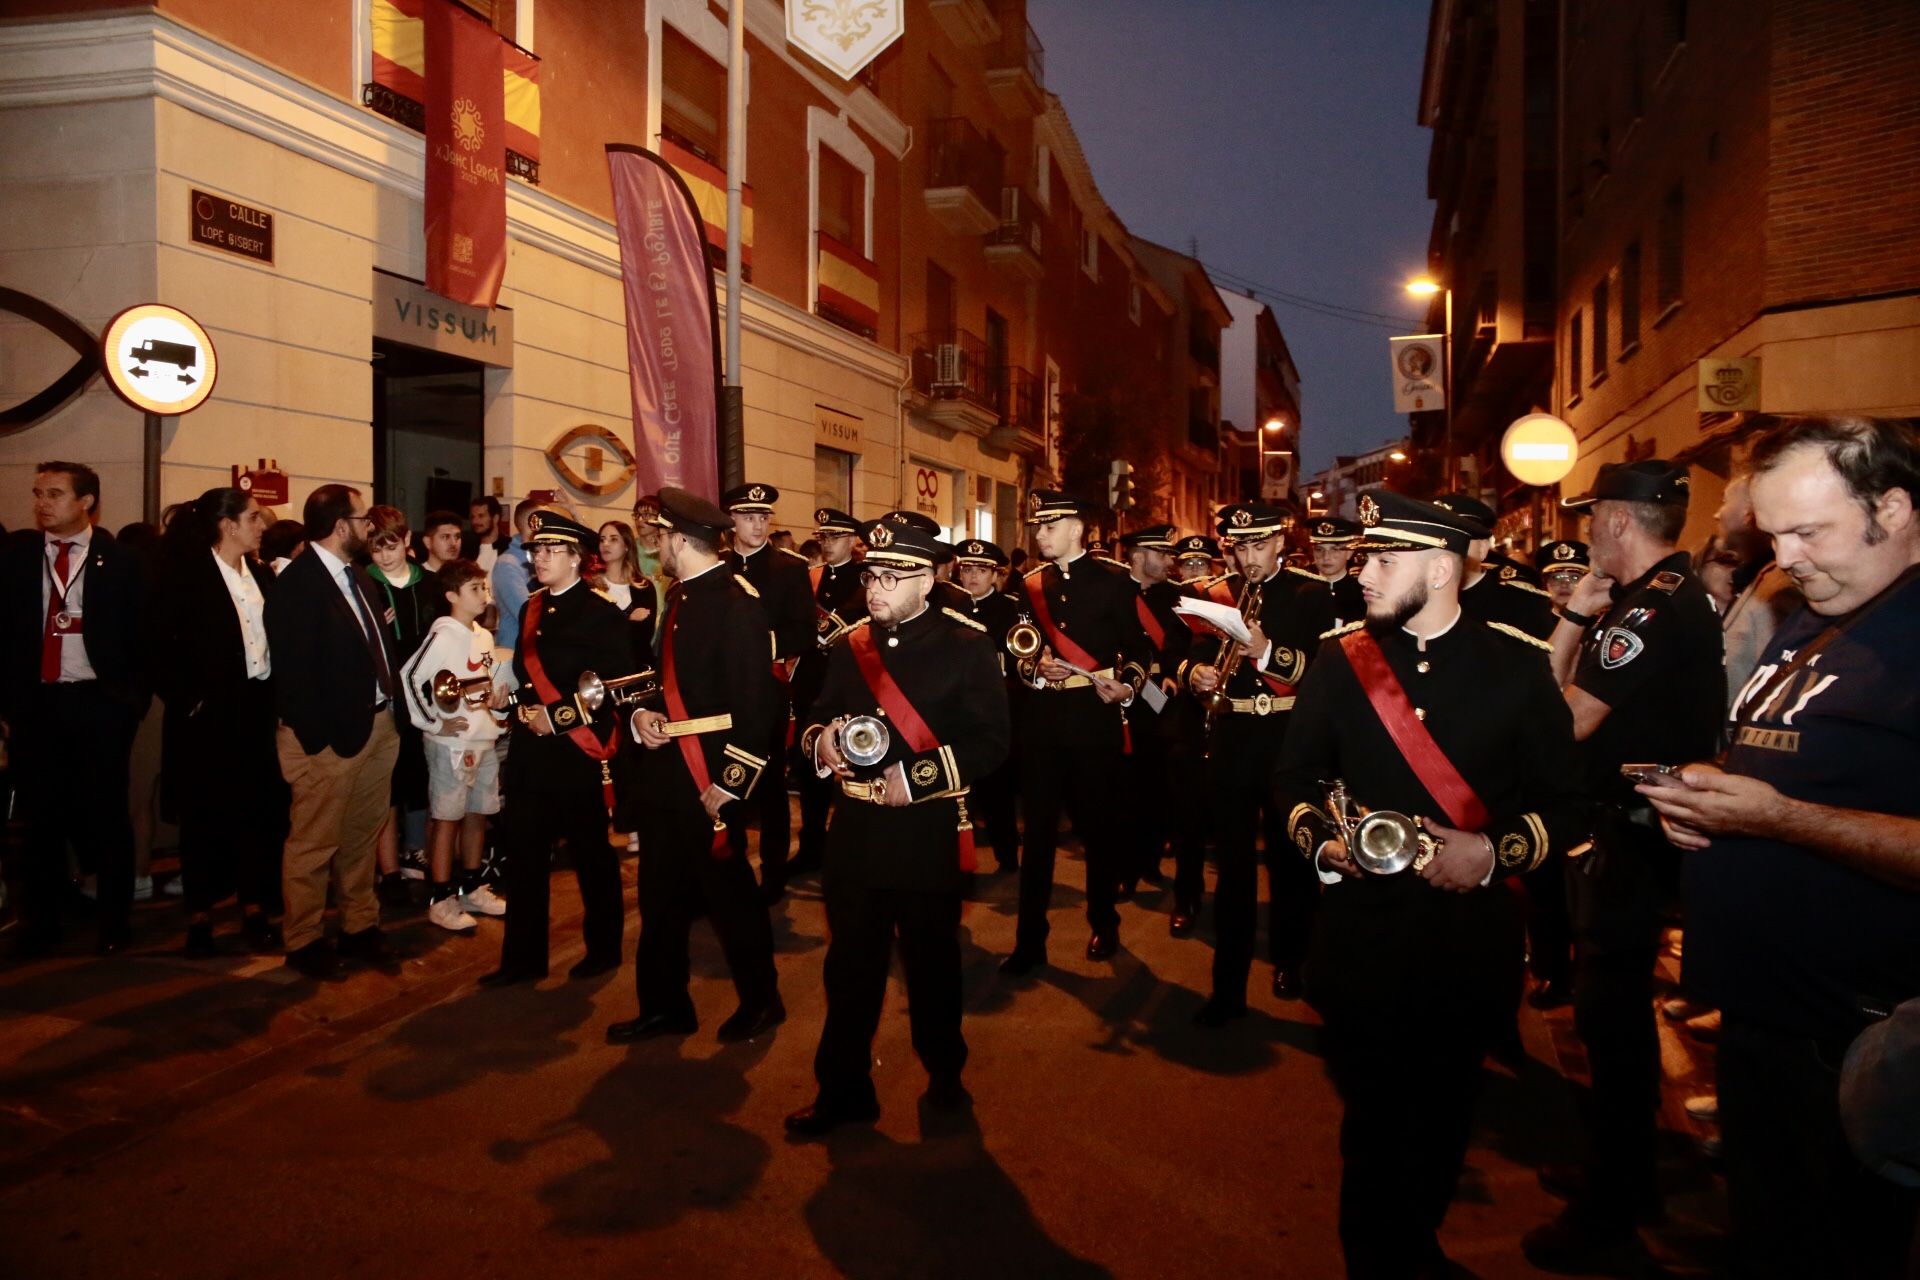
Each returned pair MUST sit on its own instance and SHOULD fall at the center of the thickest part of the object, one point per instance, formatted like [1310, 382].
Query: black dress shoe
[593, 966]
[200, 945]
[1153, 876]
[1580, 1241]
[1126, 890]
[1184, 920]
[649, 1025]
[749, 1021]
[507, 975]
[369, 947]
[1103, 946]
[1021, 963]
[260, 933]
[114, 939]
[1286, 984]
[1004, 867]
[1551, 995]
[1218, 1013]
[946, 1093]
[817, 1120]
[316, 960]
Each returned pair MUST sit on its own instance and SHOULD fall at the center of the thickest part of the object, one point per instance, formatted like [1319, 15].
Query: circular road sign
[158, 359]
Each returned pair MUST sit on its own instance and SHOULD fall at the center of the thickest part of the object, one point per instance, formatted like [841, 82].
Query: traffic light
[1120, 486]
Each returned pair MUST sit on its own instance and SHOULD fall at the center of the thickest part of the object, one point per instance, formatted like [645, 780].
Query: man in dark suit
[333, 669]
[73, 686]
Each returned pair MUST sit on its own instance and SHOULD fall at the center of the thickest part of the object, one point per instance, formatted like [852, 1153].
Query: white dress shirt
[74, 664]
[251, 606]
[342, 575]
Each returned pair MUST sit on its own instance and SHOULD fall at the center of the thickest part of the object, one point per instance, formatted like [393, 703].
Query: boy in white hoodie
[463, 758]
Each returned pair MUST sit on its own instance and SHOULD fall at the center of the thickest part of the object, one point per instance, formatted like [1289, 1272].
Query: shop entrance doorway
[429, 424]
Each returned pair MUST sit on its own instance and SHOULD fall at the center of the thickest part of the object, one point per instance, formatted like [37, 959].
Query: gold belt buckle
[1262, 704]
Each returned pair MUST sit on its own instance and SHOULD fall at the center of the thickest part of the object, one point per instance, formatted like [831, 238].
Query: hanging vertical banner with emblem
[845, 35]
[1417, 375]
[466, 198]
[673, 334]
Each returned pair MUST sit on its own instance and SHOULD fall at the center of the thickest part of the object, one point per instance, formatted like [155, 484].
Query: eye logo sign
[158, 359]
[74, 336]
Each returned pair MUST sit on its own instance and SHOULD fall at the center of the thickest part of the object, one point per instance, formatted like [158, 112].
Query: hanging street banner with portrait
[1418, 373]
[466, 198]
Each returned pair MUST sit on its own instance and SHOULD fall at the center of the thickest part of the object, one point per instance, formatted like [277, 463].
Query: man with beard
[1424, 712]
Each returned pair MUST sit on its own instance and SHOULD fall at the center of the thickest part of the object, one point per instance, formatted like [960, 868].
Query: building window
[832, 478]
[1630, 299]
[1133, 303]
[1672, 262]
[1090, 252]
[942, 313]
[843, 200]
[693, 97]
[1575, 330]
[1043, 176]
[1597, 362]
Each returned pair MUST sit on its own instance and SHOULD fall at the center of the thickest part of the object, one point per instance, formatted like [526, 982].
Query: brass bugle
[864, 740]
[1024, 639]
[1380, 842]
[621, 691]
[450, 691]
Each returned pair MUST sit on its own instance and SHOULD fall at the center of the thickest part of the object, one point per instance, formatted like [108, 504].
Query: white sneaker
[142, 888]
[483, 901]
[1704, 1107]
[413, 864]
[447, 914]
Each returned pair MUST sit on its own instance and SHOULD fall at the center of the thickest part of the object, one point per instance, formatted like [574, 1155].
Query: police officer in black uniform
[1498, 589]
[780, 576]
[901, 840]
[1332, 540]
[1638, 650]
[1560, 565]
[702, 761]
[1293, 611]
[1073, 727]
[838, 604]
[561, 786]
[1149, 553]
[1413, 971]
[977, 565]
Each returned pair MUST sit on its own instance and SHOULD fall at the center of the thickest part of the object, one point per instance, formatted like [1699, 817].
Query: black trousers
[1249, 829]
[816, 807]
[863, 922]
[996, 798]
[1800, 1203]
[1190, 820]
[1549, 926]
[1144, 838]
[71, 750]
[536, 811]
[234, 803]
[1615, 894]
[678, 873]
[1070, 758]
[769, 806]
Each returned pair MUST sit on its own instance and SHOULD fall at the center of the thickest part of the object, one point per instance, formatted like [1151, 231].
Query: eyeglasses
[548, 549]
[887, 578]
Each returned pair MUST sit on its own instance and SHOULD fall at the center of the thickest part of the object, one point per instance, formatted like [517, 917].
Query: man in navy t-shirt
[1802, 873]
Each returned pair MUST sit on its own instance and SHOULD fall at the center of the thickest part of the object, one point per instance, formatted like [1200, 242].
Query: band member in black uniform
[1498, 589]
[1639, 653]
[901, 841]
[1090, 667]
[1333, 540]
[947, 594]
[1413, 970]
[977, 564]
[1149, 553]
[1184, 724]
[1194, 557]
[700, 767]
[780, 576]
[1561, 565]
[1249, 723]
[559, 769]
[838, 603]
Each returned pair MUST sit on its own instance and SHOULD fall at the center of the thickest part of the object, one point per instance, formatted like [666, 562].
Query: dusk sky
[1282, 135]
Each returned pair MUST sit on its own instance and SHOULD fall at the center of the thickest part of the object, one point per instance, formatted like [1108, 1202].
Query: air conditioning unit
[949, 365]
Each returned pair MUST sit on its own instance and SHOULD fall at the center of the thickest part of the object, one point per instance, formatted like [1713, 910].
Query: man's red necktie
[50, 637]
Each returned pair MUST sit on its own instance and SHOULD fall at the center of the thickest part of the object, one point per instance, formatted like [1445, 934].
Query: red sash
[814, 574]
[1065, 648]
[582, 735]
[901, 712]
[1443, 782]
[1220, 592]
[1150, 624]
[689, 744]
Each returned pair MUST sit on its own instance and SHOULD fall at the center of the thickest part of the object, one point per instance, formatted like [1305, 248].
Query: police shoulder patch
[1517, 634]
[1667, 581]
[958, 616]
[1343, 629]
[746, 586]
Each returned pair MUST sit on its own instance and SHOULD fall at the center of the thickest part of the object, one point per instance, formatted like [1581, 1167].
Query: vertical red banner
[466, 207]
[673, 346]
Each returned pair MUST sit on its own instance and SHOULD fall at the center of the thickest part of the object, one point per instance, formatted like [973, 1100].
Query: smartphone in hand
[1659, 775]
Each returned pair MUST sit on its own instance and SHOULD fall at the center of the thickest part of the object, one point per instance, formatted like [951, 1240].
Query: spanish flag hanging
[399, 85]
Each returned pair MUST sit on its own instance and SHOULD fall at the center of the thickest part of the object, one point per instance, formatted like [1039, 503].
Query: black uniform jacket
[323, 673]
[200, 663]
[579, 630]
[948, 672]
[1501, 595]
[1091, 603]
[839, 601]
[722, 656]
[786, 594]
[1175, 637]
[1349, 605]
[115, 598]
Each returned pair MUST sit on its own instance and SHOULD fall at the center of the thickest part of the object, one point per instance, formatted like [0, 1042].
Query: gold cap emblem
[821, 516]
[1033, 504]
[1369, 511]
[974, 549]
[1563, 552]
[1241, 518]
[879, 537]
[757, 494]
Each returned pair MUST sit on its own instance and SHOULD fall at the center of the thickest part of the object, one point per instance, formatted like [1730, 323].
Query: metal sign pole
[733, 454]
[150, 472]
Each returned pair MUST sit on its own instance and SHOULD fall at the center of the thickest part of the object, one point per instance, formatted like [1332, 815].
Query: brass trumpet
[864, 740]
[1219, 702]
[450, 691]
[1380, 842]
[621, 691]
[1024, 640]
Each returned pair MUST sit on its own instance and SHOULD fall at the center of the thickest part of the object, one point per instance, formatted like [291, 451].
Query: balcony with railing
[1017, 77]
[1206, 354]
[967, 21]
[846, 287]
[1021, 402]
[708, 183]
[1017, 243]
[963, 177]
[954, 380]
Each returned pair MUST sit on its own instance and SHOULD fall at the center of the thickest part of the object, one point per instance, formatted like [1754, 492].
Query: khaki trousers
[339, 806]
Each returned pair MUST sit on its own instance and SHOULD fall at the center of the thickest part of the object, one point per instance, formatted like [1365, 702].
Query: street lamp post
[1272, 427]
[1426, 287]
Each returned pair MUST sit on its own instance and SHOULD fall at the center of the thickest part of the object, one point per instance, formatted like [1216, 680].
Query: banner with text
[1418, 378]
[673, 342]
[466, 206]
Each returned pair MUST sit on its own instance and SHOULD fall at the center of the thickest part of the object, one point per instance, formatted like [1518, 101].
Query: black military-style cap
[1044, 506]
[979, 551]
[1394, 522]
[1195, 546]
[1652, 480]
[550, 528]
[831, 521]
[895, 542]
[1332, 531]
[1465, 504]
[749, 498]
[1154, 537]
[685, 512]
[1251, 521]
[1566, 556]
[916, 519]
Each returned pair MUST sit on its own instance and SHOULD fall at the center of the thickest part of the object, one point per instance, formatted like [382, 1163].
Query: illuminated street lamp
[1396, 456]
[1427, 287]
